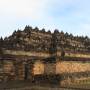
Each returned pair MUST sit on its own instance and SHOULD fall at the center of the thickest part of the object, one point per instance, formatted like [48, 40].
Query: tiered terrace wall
[72, 66]
[69, 71]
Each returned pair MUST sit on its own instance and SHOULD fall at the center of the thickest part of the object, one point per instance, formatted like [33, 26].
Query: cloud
[23, 8]
[71, 16]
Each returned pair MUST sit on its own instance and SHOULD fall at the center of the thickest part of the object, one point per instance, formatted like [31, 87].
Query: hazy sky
[71, 16]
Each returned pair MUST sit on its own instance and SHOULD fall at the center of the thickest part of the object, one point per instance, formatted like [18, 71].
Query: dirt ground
[27, 85]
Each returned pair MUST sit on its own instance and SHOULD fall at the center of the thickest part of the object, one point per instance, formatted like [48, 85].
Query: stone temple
[40, 56]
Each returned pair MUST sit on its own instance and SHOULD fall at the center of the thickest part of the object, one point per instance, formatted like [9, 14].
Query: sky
[72, 16]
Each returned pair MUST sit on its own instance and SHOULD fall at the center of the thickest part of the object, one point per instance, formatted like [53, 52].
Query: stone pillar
[26, 71]
[8, 70]
[1, 71]
[20, 71]
[30, 70]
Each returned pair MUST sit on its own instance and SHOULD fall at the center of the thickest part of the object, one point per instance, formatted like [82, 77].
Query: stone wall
[50, 68]
[38, 68]
[12, 71]
[61, 67]
[72, 66]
